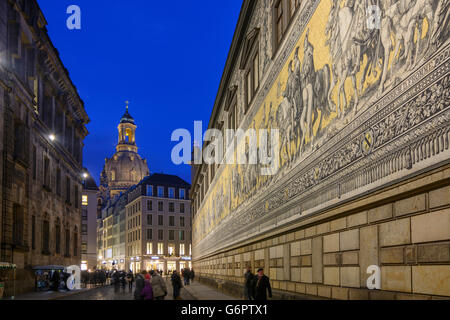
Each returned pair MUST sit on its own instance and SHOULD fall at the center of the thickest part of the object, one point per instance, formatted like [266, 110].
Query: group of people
[150, 286]
[257, 286]
[188, 276]
[96, 278]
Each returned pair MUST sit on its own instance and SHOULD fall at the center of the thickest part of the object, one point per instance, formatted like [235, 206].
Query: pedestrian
[248, 291]
[177, 285]
[192, 275]
[186, 276]
[159, 286]
[116, 281]
[130, 280]
[147, 291]
[140, 284]
[261, 285]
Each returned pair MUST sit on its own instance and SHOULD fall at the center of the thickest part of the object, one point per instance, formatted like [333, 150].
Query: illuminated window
[160, 248]
[171, 250]
[149, 248]
[84, 200]
[182, 249]
[171, 193]
[182, 194]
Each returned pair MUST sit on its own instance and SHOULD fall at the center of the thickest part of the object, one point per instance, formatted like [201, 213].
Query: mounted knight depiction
[364, 58]
[358, 50]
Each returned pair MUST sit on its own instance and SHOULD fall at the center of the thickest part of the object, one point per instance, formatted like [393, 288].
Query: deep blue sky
[165, 57]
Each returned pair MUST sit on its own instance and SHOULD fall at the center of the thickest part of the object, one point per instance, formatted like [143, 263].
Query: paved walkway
[195, 291]
[202, 292]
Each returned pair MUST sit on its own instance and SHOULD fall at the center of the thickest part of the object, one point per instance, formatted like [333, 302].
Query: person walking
[177, 285]
[192, 275]
[159, 286]
[261, 285]
[147, 292]
[248, 291]
[130, 280]
[186, 276]
[140, 284]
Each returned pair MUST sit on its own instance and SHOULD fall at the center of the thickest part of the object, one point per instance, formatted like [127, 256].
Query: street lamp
[52, 137]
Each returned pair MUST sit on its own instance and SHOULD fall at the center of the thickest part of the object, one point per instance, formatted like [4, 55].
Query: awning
[49, 268]
[8, 266]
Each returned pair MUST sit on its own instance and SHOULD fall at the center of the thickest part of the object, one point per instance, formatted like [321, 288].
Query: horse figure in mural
[401, 19]
[344, 25]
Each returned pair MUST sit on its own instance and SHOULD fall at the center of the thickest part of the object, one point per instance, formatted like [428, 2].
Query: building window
[182, 194]
[160, 192]
[76, 197]
[33, 232]
[67, 243]
[85, 200]
[160, 234]
[58, 238]
[46, 237]
[18, 222]
[252, 78]
[160, 206]
[182, 237]
[182, 222]
[149, 205]
[171, 221]
[160, 248]
[172, 193]
[182, 208]
[47, 172]
[84, 229]
[283, 13]
[113, 175]
[171, 250]
[171, 235]
[149, 191]
[182, 249]
[75, 244]
[34, 163]
[171, 207]
[160, 220]
[149, 248]
[68, 190]
[149, 220]
[58, 181]
[149, 234]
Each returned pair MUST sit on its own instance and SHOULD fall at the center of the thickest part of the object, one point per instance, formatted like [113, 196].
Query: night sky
[165, 57]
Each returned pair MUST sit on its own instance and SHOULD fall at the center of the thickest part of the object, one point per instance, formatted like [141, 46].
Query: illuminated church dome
[126, 167]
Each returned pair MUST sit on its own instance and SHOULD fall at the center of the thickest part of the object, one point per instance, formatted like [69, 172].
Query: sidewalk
[52, 295]
[202, 292]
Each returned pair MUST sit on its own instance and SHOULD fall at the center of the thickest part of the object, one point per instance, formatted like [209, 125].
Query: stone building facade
[363, 173]
[42, 128]
[89, 216]
[158, 225]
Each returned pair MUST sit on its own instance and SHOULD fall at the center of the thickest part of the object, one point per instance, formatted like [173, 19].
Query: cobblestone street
[108, 293]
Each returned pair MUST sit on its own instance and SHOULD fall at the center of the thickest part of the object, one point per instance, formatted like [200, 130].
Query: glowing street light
[52, 137]
[85, 175]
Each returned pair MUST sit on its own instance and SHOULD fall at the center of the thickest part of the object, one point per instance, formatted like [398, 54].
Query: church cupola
[127, 134]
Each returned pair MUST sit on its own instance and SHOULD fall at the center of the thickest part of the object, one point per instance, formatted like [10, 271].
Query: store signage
[186, 258]
[155, 258]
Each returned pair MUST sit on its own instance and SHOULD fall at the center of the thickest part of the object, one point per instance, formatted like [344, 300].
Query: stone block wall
[405, 230]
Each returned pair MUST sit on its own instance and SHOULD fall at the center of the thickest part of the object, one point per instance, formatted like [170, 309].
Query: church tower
[126, 168]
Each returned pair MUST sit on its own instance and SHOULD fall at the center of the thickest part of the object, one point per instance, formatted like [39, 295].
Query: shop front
[7, 280]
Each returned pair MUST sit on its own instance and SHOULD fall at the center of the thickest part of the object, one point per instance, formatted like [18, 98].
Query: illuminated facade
[89, 215]
[158, 224]
[363, 115]
[43, 125]
[126, 168]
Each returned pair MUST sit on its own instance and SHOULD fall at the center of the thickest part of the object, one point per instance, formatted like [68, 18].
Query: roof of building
[165, 179]
[127, 118]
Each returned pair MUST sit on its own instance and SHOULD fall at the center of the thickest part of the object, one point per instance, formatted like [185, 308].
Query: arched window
[113, 175]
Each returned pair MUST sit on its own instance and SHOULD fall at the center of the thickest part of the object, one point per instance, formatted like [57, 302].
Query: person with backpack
[159, 286]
